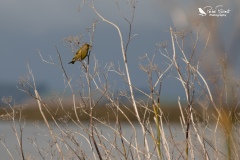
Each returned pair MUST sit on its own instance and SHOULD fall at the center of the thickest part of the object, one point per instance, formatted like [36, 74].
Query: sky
[28, 27]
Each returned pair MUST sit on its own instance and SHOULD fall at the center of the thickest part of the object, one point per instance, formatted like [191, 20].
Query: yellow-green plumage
[81, 53]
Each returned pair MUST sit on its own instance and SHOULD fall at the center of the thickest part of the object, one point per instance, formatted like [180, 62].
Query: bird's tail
[71, 62]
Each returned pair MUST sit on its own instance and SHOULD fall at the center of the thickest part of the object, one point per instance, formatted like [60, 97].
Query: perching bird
[81, 53]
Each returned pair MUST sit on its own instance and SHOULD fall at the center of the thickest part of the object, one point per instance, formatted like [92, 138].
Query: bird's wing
[78, 52]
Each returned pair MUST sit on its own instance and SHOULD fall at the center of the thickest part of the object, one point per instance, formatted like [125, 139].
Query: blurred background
[28, 27]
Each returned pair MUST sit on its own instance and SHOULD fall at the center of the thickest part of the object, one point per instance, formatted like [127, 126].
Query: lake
[36, 139]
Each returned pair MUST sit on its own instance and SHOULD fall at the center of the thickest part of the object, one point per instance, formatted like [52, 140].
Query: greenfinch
[81, 54]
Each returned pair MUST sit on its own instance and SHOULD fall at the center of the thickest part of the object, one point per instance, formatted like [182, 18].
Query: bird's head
[87, 46]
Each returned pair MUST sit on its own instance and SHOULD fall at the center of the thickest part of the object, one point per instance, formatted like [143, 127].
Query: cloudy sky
[28, 26]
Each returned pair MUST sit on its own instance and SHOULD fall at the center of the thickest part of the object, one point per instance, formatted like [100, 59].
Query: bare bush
[208, 114]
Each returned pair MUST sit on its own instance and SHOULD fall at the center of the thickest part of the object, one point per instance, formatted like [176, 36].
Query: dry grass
[207, 100]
